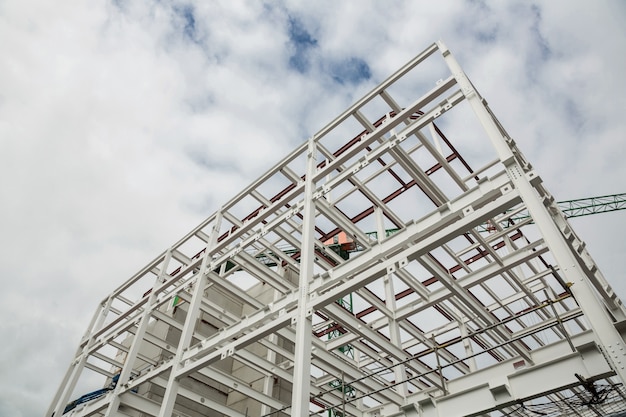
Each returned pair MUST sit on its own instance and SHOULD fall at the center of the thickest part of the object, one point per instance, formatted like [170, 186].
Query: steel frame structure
[445, 320]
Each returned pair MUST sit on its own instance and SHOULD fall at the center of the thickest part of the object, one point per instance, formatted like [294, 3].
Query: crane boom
[571, 208]
[593, 205]
[586, 206]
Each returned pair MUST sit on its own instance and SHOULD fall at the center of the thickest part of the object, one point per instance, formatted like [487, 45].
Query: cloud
[124, 124]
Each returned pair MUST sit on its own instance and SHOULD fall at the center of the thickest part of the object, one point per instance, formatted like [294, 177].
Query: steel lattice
[248, 314]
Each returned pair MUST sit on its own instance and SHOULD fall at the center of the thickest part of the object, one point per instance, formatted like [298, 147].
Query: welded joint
[427, 407]
[292, 212]
[376, 412]
[468, 92]
[618, 354]
[411, 410]
[533, 178]
[398, 265]
[322, 191]
[513, 172]
[500, 391]
[227, 353]
[447, 207]
[467, 210]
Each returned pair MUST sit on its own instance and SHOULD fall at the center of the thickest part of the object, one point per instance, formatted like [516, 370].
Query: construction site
[406, 260]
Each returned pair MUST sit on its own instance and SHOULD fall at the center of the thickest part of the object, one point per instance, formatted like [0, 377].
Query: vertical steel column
[171, 390]
[609, 338]
[300, 395]
[270, 356]
[399, 370]
[467, 345]
[54, 404]
[63, 395]
[135, 346]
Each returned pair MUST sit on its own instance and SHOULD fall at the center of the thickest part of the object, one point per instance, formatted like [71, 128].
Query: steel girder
[447, 319]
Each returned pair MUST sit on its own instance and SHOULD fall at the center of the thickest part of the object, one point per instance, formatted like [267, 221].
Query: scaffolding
[383, 211]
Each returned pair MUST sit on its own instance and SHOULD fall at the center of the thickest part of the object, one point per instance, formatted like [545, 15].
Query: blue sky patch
[350, 71]
[543, 46]
[186, 16]
[302, 42]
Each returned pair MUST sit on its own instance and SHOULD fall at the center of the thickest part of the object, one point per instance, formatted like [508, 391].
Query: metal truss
[247, 314]
[593, 205]
[583, 207]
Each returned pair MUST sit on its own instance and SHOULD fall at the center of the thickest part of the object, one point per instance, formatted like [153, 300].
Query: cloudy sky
[124, 123]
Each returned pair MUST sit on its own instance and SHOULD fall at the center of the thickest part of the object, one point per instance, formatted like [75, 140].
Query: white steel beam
[501, 385]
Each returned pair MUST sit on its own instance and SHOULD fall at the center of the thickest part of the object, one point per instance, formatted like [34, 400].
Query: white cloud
[123, 124]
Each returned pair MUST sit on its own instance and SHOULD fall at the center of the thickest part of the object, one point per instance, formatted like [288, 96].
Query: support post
[126, 371]
[173, 383]
[71, 378]
[399, 370]
[302, 364]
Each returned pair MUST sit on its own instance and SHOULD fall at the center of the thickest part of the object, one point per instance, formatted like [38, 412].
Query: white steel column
[399, 371]
[610, 339]
[171, 390]
[125, 374]
[54, 405]
[270, 356]
[467, 345]
[300, 396]
[78, 364]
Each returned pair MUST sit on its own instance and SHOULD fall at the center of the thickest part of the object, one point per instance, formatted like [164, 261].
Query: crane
[570, 208]
[586, 206]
